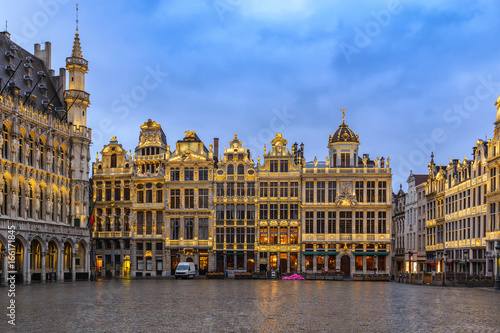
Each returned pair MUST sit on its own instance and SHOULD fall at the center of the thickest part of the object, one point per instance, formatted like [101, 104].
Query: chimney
[45, 54]
[6, 34]
[216, 149]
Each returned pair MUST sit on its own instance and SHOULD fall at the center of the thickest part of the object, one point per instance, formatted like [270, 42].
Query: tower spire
[77, 18]
[343, 110]
[77, 49]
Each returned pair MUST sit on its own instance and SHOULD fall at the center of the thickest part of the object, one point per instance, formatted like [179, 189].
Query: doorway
[345, 265]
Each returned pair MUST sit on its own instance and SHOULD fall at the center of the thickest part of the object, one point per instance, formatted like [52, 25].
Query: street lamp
[2, 277]
[52, 274]
[409, 255]
[445, 254]
[497, 277]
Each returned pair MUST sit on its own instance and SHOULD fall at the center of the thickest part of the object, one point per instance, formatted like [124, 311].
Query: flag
[92, 218]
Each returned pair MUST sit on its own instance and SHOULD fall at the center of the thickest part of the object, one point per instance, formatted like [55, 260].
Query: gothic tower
[77, 100]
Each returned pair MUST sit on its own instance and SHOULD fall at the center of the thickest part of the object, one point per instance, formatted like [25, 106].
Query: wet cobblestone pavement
[250, 306]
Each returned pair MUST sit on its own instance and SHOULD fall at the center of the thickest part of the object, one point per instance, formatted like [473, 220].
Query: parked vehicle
[185, 270]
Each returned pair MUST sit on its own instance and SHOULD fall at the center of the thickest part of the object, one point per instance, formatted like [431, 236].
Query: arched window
[5, 148]
[230, 169]
[42, 201]
[21, 149]
[31, 146]
[113, 160]
[241, 169]
[62, 161]
[31, 198]
[41, 146]
[5, 195]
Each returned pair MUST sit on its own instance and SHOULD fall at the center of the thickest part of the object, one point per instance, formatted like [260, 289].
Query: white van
[185, 269]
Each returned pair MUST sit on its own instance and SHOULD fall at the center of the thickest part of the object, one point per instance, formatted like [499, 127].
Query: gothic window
[230, 169]
[21, 149]
[5, 148]
[31, 198]
[31, 146]
[61, 160]
[5, 195]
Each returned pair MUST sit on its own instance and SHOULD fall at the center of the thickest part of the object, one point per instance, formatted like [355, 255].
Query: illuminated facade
[493, 196]
[346, 210]
[154, 209]
[44, 187]
[279, 200]
[235, 206]
[456, 214]
[158, 208]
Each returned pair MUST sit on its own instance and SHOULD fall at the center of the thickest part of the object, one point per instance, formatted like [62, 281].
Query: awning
[370, 253]
[429, 263]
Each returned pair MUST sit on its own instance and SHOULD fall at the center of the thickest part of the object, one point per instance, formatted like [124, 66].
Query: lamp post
[497, 276]
[409, 257]
[444, 267]
[52, 274]
[2, 277]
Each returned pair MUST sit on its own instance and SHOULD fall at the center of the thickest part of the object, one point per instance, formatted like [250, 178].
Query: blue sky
[415, 77]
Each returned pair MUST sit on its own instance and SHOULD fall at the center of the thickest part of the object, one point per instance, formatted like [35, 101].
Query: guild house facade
[226, 213]
[44, 163]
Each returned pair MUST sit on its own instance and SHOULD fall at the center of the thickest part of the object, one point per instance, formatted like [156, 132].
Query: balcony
[112, 234]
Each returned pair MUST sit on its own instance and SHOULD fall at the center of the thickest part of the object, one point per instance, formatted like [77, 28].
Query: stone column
[5, 266]
[43, 267]
[73, 266]
[60, 261]
[27, 265]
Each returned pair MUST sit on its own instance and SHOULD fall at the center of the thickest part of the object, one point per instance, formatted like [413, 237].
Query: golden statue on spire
[343, 110]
